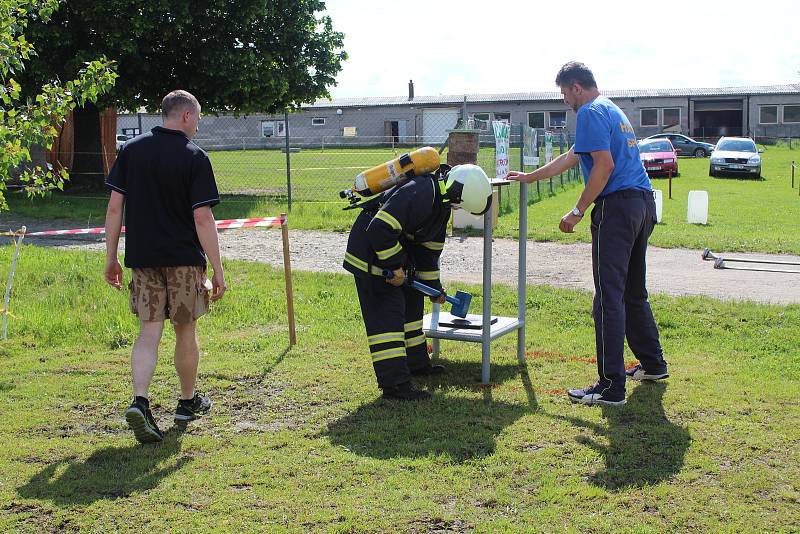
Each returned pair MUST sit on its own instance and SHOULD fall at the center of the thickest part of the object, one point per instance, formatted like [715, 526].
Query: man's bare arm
[207, 233]
[562, 163]
[113, 227]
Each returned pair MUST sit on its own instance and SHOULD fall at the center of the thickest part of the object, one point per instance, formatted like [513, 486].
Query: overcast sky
[468, 46]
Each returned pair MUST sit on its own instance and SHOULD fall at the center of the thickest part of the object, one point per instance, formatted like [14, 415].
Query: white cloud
[456, 47]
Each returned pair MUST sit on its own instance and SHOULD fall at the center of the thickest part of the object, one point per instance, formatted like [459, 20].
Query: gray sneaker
[638, 373]
[189, 410]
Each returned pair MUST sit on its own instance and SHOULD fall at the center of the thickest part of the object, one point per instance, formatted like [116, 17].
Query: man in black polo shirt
[166, 186]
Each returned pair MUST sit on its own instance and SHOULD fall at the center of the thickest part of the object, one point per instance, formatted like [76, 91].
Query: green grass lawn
[299, 440]
[744, 215]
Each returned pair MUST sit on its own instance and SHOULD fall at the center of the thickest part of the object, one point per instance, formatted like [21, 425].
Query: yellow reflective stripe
[388, 219]
[427, 275]
[414, 341]
[385, 337]
[355, 262]
[410, 327]
[396, 352]
[433, 245]
[389, 252]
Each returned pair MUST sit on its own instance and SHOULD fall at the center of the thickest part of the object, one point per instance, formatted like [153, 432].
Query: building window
[791, 114]
[130, 133]
[649, 117]
[536, 119]
[318, 121]
[768, 115]
[481, 121]
[272, 128]
[558, 119]
[671, 116]
[505, 117]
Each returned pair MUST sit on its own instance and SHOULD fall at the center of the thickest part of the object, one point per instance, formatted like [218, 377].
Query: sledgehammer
[460, 303]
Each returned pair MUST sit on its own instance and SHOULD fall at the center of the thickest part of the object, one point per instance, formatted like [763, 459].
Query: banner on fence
[530, 146]
[548, 147]
[502, 134]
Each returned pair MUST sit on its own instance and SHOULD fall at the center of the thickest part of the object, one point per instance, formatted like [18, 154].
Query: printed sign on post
[548, 147]
[502, 134]
[530, 146]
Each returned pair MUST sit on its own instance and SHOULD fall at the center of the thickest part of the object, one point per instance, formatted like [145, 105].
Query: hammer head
[461, 307]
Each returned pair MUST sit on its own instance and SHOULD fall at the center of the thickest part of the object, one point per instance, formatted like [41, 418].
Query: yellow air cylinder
[386, 175]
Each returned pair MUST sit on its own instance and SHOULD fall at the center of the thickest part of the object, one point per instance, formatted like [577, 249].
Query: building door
[716, 118]
[391, 131]
[436, 122]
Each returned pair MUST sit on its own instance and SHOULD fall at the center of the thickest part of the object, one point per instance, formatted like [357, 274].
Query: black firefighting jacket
[406, 228]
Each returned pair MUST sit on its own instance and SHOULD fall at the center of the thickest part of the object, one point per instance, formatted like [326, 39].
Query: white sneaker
[638, 373]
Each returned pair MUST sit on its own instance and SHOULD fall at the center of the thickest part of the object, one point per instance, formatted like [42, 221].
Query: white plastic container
[697, 213]
[659, 198]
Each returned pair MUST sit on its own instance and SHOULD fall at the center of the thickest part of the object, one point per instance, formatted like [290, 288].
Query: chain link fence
[283, 159]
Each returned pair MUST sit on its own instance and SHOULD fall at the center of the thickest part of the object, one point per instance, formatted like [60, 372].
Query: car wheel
[711, 173]
[699, 153]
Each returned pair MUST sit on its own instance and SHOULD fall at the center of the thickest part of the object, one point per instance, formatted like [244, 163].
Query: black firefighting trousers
[393, 320]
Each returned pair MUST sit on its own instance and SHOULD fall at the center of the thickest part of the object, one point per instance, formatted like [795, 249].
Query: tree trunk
[87, 166]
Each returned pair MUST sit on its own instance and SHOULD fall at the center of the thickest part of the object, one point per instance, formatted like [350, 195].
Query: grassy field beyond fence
[300, 441]
[744, 214]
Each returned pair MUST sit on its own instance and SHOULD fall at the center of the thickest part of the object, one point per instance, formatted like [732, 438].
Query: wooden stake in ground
[287, 275]
[21, 234]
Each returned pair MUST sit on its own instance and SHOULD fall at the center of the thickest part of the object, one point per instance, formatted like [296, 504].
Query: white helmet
[469, 188]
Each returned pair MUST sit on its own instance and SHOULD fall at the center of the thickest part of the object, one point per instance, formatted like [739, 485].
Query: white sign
[502, 134]
[530, 146]
[548, 147]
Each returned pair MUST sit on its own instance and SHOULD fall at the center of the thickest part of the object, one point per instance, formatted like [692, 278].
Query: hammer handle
[422, 288]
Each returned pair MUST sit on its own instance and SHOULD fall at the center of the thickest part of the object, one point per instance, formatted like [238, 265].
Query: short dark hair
[575, 72]
[178, 101]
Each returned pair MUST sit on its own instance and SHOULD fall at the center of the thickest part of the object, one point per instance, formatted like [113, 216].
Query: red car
[658, 157]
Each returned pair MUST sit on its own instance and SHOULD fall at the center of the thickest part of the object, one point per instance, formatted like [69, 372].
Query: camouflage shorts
[180, 294]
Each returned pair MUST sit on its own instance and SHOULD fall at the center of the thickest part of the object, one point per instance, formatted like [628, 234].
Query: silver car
[735, 155]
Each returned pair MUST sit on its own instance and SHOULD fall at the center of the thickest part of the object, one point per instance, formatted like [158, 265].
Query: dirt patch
[439, 526]
[669, 271]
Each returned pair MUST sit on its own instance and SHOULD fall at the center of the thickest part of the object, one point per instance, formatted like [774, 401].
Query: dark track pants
[393, 320]
[621, 225]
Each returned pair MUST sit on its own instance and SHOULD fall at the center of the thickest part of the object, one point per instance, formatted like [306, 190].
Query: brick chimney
[411, 89]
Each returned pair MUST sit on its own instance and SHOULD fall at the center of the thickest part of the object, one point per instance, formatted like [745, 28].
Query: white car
[735, 155]
[121, 140]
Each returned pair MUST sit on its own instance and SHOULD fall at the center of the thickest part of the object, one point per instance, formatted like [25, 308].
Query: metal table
[502, 325]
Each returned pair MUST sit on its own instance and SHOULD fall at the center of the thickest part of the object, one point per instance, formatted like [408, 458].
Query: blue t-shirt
[601, 125]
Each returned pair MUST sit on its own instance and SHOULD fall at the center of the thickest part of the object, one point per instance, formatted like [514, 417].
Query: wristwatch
[576, 212]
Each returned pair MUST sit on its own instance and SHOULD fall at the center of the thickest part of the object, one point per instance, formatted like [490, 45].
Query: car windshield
[658, 146]
[737, 145]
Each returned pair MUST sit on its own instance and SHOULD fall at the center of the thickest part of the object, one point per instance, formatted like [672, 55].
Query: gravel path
[670, 271]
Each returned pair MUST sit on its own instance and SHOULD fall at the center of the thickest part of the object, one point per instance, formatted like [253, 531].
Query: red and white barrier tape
[221, 225]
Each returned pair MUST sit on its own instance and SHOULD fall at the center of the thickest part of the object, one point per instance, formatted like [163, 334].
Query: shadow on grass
[460, 427]
[644, 447]
[109, 473]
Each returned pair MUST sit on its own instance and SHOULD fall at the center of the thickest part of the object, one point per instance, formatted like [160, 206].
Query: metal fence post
[288, 160]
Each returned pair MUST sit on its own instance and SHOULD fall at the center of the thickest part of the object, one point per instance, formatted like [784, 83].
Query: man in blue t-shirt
[622, 220]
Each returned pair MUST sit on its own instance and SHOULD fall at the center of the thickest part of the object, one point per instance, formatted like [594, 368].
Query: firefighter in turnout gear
[403, 231]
